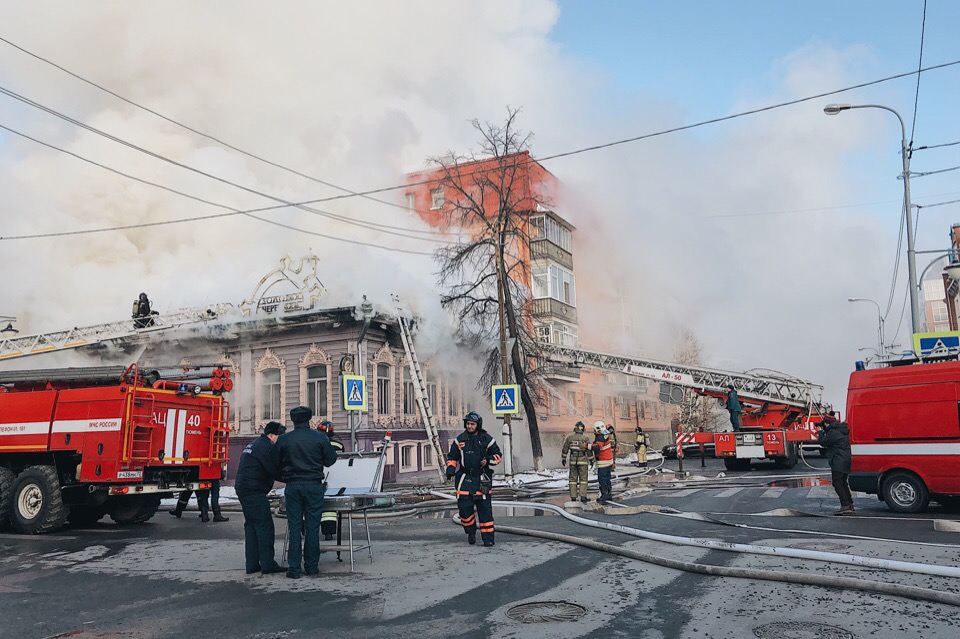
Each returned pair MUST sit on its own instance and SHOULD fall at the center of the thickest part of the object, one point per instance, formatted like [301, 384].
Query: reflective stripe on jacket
[466, 453]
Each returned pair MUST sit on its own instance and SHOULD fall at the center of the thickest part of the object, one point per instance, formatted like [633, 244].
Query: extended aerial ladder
[420, 388]
[779, 410]
[23, 346]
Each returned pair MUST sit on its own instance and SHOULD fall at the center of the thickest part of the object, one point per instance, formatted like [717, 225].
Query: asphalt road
[178, 577]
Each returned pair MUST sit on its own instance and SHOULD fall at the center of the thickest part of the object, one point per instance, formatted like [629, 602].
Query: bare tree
[697, 413]
[490, 195]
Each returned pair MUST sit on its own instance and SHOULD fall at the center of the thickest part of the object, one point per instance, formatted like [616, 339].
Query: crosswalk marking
[729, 492]
[681, 493]
[773, 493]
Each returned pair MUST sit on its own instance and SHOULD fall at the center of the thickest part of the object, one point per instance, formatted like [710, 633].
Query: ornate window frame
[316, 356]
[384, 356]
[269, 361]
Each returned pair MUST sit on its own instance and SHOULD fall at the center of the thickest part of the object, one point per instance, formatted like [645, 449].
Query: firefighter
[302, 454]
[328, 520]
[142, 312]
[577, 447]
[835, 438]
[734, 407]
[204, 499]
[255, 476]
[603, 452]
[641, 447]
[471, 459]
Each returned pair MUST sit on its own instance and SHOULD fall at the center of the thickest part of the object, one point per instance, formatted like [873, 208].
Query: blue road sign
[505, 399]
[354, 392]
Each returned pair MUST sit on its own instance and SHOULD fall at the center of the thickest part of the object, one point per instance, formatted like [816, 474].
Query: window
[411, 202]
[432, 392]
[384, 405]
[541, 285]
[554, 405]
[571, 403]
[611, 378]
[933, 290]
[451, 392]
[428, 456]
[546, 228]
[436, 199]
[587, 404]
[566, 335]
[317, 390]
[608, 407]
[624, 407]
[409, 395]
[408, 457]
[537, 231]
[940, 328]
[270, 395]
[940, 312]
[562, 286]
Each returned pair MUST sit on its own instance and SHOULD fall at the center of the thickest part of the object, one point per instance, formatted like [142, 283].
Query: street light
[8, 331]
[834, 109]
[882, 351]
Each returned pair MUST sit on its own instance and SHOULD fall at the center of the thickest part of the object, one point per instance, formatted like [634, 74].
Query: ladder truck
[779, 411]
[80, 443]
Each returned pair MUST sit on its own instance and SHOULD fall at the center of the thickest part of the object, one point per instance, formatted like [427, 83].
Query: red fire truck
[905, 434]
[77, 444]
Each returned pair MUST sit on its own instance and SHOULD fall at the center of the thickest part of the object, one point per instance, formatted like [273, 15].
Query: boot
[176, 513]
[218, 516]
[472, 538]
[204, 516]
[328, 537]
[845, 510]
[584, 499]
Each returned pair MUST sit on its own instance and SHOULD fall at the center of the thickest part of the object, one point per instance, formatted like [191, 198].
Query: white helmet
[599, 427]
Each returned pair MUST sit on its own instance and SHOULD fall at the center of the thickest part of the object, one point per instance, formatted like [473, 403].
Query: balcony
[560, 372]
[546, 308]
[547, 250]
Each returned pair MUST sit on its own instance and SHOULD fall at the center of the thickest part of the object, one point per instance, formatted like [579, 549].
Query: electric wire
[916, 97]
[113, 138]
[232, 211]
[929, 206]
[926, 173]
[936, 146]
[214, 138]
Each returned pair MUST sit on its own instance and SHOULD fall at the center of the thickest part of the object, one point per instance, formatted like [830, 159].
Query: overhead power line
[936, 146]
[113, 138]
[216, 139]
[916, 97]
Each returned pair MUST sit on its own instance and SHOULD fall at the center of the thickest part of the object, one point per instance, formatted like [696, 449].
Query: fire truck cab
[905, 434]
[78, 444]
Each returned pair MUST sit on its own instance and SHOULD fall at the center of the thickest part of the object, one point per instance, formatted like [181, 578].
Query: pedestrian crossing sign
[354, 392]
[505, 398]
[940, 343]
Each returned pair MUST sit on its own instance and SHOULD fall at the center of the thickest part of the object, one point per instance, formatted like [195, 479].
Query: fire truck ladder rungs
[419, 388]
[76, 337]
[770, 386]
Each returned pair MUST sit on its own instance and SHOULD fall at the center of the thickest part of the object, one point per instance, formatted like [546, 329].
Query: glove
[563, 461]
[450, 474]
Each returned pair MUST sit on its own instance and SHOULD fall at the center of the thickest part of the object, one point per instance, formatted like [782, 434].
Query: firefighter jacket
[733, 402]
[577, 447]
[835, 438]
[641, 440]
[463, 461]
[302, 455]
[603, 451]
[257, 470]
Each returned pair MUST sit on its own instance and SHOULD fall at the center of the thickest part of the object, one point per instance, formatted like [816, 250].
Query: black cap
[301, 415]
[274, 428]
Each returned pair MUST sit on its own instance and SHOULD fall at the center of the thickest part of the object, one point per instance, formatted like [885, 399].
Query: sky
[751, 232]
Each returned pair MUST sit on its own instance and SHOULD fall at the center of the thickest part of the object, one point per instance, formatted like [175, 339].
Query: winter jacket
[577, 447]
[302, 455]
[733, 402]
[463, 460]
[835, 438]
[603, 451]
[641, 440]
[257, 470]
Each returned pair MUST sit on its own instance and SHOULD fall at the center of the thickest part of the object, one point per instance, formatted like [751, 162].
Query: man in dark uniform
[734, 407]
[471, 459]
[835, 439]
[255, 476]
[302, 454]
[328, 520]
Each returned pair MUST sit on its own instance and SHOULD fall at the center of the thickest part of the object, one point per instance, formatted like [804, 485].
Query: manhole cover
[546, 611]
[825, 546]
[801, 630]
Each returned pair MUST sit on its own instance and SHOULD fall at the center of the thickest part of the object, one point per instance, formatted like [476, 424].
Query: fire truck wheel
[6, 496]
[735, 463]
[37, 504]
[85, 515]
[905, 493]
[134, 509]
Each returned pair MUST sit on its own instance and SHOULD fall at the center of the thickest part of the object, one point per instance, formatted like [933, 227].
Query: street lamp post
[882, 351]
[834, 109]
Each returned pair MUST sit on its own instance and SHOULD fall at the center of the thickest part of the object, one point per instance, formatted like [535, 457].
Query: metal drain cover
[546, 611]
[801, 630]
[826, 546]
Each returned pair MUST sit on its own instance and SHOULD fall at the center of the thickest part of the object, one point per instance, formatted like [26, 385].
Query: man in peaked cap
[302, 454]
[255, 476]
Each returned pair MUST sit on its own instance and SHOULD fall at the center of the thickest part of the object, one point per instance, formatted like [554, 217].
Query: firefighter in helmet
[473, 454]
[641, 447]
[142, 312]
[328, 520]
[603, 452]
[577, 447]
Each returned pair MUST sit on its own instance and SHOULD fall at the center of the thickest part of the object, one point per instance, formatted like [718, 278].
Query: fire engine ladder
[419, 388]
[13, 347]
[764, 386]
